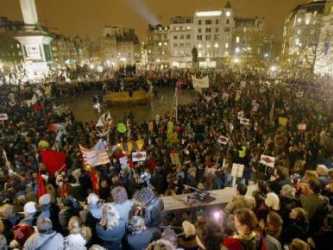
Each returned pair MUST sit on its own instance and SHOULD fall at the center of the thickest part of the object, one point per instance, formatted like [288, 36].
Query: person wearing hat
[30, 213]
[94, 214]
[189, 239]
[140, 236]
[45, 238]
[49, 210]
[111, 228]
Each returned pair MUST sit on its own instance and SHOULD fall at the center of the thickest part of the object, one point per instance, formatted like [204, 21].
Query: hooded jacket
[41, 241]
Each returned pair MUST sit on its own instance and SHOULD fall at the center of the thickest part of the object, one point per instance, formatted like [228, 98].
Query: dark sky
[87, 17]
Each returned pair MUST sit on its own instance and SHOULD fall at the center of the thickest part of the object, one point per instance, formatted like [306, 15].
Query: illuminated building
[181, 40]
[324, 54]
[157, 46]
[301, 33]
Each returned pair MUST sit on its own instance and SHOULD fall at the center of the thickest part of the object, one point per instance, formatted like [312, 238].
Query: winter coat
[51, 241]
[140, 241]
[111, 238]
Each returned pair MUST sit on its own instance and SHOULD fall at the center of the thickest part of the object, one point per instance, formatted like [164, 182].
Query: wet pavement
[164, 102]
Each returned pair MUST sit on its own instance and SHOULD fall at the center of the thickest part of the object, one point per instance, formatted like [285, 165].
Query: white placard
[237, 170]
[3, 117]
[267, 160]
[139, 156]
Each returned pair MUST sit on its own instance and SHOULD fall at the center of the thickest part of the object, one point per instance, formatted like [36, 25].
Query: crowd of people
[119, 205]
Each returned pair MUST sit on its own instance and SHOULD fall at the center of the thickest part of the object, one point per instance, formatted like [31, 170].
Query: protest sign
[3, 117]
[139, 156]
[237, 170]
[223, 140]
[267, 160]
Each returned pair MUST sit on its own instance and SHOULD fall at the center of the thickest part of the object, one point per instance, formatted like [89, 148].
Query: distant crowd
[238, 120]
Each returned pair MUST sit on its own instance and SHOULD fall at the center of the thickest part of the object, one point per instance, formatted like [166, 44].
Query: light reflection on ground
[164, 102]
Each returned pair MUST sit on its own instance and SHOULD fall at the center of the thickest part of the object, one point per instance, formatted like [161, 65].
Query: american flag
[94, 157]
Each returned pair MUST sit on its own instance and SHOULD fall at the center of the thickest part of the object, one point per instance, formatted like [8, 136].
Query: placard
[3, 117]
[237, 170]
[267, 160]
[139, 156]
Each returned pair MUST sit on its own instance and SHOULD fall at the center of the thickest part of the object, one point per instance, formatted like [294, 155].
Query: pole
[176, 93]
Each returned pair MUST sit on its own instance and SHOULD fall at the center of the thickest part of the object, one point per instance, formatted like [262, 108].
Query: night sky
[88, 17]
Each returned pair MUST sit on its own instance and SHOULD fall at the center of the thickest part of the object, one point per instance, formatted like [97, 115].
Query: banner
[139, 156]
[3, 117]
[267, 160]
[199, 84]
[53, 160]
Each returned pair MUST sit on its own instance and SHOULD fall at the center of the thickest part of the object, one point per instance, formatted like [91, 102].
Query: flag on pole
[95, 156]
[104, 124]
[53, 160]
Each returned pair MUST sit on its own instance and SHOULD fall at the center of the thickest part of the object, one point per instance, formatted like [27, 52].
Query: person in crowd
[30, 213]
[240, 200]
[111, 228]
[288, 201]
[297, 226]
[189, 239]
[246, 223]
[78, 235]
[298, 244]
[49, 210]
[140, 236]
[3, 240]
[45, 238]
[121, 202]
[152, 205]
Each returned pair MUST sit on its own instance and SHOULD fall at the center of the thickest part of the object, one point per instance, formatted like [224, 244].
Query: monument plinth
[35, 43]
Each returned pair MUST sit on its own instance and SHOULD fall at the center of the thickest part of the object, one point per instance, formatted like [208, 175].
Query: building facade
[324, 54]
[301, 34]
[181, 41]
[157, 46]
[118, 46]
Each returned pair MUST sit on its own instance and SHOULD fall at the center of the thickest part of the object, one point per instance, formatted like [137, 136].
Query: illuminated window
[226, 45]
[237, 39]
[228, 13]
[299, 20]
